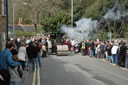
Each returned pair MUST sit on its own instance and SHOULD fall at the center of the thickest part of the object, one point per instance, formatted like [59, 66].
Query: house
[23, 28]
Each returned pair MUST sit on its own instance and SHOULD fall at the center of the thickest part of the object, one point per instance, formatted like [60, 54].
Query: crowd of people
[19, 55]
[114, 52]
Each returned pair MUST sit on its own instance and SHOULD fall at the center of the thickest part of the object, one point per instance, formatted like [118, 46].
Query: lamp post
[7, 18]
[72, 13]
[110, 36]
[14, 19]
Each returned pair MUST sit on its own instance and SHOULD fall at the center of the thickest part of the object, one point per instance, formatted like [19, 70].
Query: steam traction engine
[59, 44]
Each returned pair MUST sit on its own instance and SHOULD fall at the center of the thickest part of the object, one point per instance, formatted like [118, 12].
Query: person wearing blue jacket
[6, 61]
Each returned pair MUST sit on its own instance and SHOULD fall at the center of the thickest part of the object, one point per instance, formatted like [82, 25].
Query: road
[80, 70]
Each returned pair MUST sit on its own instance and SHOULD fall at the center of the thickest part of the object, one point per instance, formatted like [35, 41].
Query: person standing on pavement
[39, 53]
[6, 61]
[92, 47]
[43, 48]
[46, 44]
[49, 46]
[102, 52]
[34, 55]
[122, 54]
[79, 46]
[22, 54]
[73, 45]
[114, 51]
[98, 50]
[87, 47]
[83, 48]
[32, 52]
[29, 54]
[126, 65]
[109, 47]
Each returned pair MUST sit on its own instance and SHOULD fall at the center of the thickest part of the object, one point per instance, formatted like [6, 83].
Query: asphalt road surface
[80, 70]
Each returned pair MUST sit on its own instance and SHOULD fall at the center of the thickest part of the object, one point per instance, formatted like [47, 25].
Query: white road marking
[34, 77]
[38, 75]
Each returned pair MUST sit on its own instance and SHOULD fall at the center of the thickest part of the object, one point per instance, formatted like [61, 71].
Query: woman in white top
[114, 51]
[22, 54]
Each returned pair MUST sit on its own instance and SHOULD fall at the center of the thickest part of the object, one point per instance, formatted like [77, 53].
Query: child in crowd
[44, 54]
[15, 73]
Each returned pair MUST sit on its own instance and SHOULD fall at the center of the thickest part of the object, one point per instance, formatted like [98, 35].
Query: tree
[35, 8]
[47, 11]
[52, 24]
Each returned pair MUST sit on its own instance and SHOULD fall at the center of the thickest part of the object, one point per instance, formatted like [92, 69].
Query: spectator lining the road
[22, 55]
[49, 46]
[32, 52]
[6, 61]
[122, 54]
[114, 53]
[110, 51]
[126, 58]
[44, 54]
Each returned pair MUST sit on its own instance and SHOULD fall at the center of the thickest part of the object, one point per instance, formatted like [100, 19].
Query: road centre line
[38, 75]
[34, 77]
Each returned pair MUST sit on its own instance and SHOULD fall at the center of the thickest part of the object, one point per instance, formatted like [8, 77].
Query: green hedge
[25, 34]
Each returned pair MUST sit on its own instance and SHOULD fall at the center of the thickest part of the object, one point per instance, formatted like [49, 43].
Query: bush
[21, 34]
[102, 36]
[126, 35]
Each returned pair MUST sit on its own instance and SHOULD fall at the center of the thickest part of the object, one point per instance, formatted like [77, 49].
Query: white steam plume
[85, 26]
[82, 29]
[116, 12]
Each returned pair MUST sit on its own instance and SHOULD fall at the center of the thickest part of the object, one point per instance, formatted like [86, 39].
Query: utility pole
[14, 18]
[3, 24]
[72, 12]
[13, 21]
[7, 35]
[110, 36]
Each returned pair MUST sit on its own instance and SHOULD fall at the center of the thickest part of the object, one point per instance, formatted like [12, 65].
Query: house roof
[25, 28]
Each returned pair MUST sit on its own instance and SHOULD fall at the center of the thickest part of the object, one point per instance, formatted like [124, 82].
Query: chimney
[20, 21]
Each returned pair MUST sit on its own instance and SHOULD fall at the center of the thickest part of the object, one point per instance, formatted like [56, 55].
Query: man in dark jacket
[109, 47]
[28, 50]
[92, 48]
[126, 58]
[32, 52]
[122, 54]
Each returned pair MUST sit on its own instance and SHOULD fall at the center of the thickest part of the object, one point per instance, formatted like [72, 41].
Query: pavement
[76, 70]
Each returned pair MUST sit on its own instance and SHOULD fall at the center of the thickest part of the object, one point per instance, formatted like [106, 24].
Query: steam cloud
[85, 26]
[82, 29]
[116, 12]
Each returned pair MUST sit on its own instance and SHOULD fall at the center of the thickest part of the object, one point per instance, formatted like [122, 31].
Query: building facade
[3, 24]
